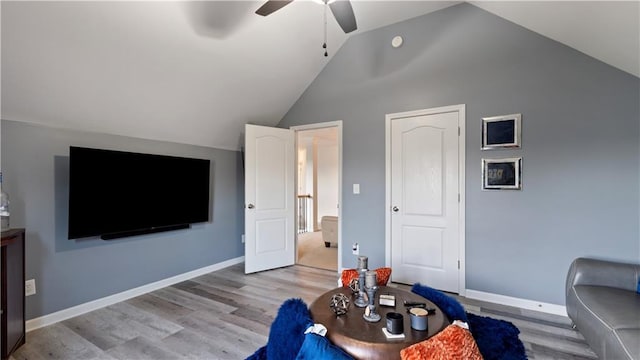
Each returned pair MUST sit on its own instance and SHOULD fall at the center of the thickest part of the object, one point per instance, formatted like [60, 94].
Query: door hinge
[458, 264]
[458, 197]
[458, 130]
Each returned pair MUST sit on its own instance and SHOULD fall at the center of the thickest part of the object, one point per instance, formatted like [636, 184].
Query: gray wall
[580, 143]
[35, 162]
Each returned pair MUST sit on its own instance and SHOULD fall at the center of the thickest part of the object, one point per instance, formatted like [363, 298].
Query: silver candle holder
[371, 287]
[361, 300]
[363, 262]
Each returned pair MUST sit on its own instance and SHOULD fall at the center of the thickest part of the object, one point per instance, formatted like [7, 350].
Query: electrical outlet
[242, 238]
[30, 287]
[355, 249]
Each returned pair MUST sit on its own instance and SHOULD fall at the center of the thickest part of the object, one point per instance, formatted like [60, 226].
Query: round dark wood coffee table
[365, 340]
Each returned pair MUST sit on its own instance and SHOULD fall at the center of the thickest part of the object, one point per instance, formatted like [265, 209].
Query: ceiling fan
[341, 9]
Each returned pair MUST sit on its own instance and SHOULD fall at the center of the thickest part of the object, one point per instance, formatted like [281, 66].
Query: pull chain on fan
[324, 45]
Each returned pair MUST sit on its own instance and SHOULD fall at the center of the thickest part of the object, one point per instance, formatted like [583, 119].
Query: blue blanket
[496, 339]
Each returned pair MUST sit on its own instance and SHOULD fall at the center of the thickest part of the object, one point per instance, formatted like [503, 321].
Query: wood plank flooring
[226, 315]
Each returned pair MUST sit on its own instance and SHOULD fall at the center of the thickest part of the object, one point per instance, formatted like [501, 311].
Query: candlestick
[360, 300]
[363, 262]
[370, 314]
[370, 279]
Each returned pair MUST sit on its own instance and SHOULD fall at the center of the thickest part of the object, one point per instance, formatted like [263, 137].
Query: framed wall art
[502, 174]
[501, 132]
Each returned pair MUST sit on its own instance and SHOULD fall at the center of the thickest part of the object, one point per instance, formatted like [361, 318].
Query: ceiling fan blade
[343, 12]
[272, 6]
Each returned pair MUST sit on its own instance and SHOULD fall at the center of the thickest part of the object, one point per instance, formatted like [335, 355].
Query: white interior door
[269, 198]
[424, 202]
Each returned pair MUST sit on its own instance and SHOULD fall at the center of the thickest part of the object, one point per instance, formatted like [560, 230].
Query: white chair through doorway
[329, 225]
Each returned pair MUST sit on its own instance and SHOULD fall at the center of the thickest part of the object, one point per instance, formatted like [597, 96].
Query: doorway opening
[318, 195]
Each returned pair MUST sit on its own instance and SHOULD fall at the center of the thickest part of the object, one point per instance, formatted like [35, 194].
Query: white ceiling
[196, 72]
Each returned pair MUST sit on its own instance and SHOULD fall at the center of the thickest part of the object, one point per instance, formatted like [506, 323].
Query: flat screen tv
[115, 194]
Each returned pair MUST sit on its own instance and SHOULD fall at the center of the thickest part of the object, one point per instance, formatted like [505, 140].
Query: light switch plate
[356, 188]
[30, 287]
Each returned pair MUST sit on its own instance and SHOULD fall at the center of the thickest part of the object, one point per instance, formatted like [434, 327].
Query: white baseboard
[517, 302]
[68, 313]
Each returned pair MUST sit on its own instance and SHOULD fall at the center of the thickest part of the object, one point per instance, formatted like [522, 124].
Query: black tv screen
[114, 193]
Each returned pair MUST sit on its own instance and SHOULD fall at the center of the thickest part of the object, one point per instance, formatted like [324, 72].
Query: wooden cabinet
[13, 325]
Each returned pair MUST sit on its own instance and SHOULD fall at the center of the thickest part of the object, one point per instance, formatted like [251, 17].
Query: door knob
[250, 206]
[395, 209]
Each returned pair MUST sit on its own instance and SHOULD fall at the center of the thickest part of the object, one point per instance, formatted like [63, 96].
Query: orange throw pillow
[382, 276]
[452, 343]
[348, 275]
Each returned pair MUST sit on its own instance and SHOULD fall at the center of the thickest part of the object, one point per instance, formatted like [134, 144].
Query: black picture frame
[502, 174]
[501, 132]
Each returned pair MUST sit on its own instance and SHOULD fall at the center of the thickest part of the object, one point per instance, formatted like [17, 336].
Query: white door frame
[338, 125]
[461, 181]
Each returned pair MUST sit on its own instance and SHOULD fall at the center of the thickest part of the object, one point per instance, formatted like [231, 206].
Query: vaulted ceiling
[196, 71]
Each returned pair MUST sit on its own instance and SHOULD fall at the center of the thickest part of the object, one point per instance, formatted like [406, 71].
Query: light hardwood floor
[226, 315]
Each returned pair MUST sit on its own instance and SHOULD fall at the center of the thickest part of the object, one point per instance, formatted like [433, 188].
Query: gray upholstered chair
[603, 302]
